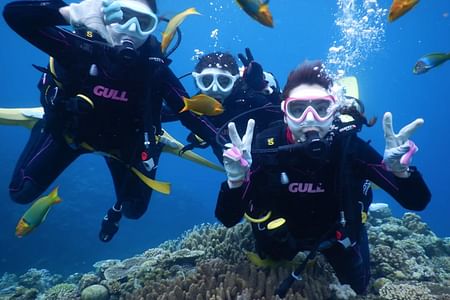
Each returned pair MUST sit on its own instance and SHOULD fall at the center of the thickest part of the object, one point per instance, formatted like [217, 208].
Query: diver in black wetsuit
[304, 184]
[217, 75]
[102, 91]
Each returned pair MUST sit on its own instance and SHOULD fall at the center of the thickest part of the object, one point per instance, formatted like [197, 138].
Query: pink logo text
[109, 93]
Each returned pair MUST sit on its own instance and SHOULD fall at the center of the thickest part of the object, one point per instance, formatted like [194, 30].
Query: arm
[232, 201]
[37, 21]
[231, 204]
[411, 192]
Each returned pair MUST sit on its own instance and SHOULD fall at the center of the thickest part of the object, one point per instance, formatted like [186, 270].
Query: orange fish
[202, 104]
[400, 7]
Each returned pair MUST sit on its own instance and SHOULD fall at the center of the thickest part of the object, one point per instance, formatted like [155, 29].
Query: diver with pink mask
[304, 183]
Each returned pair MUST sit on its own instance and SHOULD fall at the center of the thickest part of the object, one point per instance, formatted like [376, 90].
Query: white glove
[399, 149]
[238, 159]
[88, 14]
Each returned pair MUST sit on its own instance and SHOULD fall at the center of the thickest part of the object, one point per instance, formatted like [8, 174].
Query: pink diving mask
[297, 109]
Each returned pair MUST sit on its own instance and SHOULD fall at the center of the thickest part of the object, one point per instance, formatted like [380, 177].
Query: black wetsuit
[242, 99]
[123, 97]
[310, 202]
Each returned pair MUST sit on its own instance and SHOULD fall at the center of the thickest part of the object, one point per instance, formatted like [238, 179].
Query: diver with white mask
[102, 92]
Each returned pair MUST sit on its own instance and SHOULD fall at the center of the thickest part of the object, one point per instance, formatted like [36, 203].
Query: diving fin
[350, 84]
[159, 186]
[255, 259]
[189, 155]
[26, 117]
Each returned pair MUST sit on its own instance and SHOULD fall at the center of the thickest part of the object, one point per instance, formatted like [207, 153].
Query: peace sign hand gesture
[399, 149]
[237, 159]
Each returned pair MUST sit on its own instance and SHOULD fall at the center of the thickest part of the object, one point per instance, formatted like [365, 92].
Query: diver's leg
[352, 265]
[277, 244]
[42, 160]
[133, 195]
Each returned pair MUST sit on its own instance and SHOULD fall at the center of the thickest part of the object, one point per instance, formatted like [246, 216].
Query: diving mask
[136, 21]
[319, 108]
[215, 80]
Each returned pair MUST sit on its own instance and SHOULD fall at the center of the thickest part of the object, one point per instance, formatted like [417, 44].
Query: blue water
[67, 242]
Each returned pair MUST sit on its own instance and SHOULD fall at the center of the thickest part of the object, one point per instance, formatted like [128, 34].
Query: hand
[399, 149]
[112, 11]
[88, 14]
[253, 73]
[237, 159]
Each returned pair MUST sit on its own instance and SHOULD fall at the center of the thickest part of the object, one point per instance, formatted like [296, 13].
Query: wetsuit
[308, 199]
[241, 100]
[94, 95]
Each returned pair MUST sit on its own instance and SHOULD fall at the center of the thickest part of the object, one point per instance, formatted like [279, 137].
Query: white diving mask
[137, 22]
[215, 80]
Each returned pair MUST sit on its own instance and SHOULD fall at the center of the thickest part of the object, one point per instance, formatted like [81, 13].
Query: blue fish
[429, 61]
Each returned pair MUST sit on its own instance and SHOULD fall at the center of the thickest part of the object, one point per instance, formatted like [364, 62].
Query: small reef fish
[37, 213]
[258, 10]
[400, 7]
[202, 104]
[172, 26]
[430, 61]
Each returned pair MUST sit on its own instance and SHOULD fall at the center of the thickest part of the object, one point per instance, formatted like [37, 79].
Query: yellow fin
[350, 84]
[162, 187]
[262, 263]
[189, 155]
[20, 116]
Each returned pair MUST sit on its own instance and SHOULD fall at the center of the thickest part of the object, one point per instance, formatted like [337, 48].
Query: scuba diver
[217, 75]
[102, 92]
[304, 184]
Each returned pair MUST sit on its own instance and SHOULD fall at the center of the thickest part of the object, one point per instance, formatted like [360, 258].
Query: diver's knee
[26, 193]
[134, 209]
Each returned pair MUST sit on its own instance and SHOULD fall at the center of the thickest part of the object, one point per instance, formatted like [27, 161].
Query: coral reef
[68, 291]
[408, 261]
[95, 292]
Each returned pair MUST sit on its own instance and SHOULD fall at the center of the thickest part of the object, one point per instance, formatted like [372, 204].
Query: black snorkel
[314, 146]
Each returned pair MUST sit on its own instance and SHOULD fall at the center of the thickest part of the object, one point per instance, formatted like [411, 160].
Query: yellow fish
[258, 10]
[172, 26]
[202, 104]
[399, 8]
[37, 213]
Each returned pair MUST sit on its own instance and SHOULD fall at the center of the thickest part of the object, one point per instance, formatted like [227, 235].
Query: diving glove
[253, 72]
[399, 149]
[237, 159]
[110, 224]
[87, 14]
